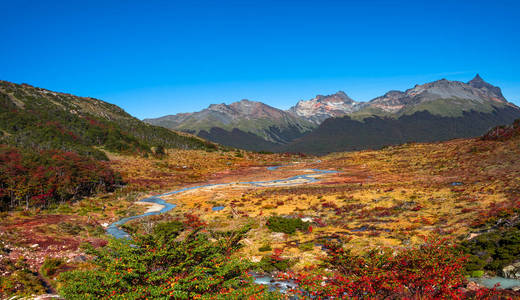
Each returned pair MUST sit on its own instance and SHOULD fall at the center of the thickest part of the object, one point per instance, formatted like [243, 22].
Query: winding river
[115, 230]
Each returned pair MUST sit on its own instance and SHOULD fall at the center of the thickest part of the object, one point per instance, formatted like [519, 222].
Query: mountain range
[245, 124]
[434, 111]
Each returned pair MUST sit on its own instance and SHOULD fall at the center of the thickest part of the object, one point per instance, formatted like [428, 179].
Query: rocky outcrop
[321, 107]
[511, 271]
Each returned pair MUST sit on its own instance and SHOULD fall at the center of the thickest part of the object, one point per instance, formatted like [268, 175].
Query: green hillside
[38, 119]
[51, 145]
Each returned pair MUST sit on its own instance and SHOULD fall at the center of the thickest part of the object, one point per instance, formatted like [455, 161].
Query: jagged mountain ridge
[323, 107]
[245, 119]
[435, 111]
[396, 103]
[476, 93]
[347, 134]
[271, 124]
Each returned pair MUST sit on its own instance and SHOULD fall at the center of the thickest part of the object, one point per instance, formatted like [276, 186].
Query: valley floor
[395, 197]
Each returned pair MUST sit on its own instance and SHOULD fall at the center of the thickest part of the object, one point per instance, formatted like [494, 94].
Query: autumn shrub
[39, 179]
[329, 205]
[433, 270]
[286, 225]
[501, 133]
[200, 266]
[275, 262]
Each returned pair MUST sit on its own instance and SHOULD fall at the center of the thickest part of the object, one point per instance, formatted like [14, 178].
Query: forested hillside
[39, 119]
[348, 134]
[52, 144]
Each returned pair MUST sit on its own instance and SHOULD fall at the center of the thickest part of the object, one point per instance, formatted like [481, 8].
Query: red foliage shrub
[418, 207]
[193, 221]
[45, 177]
[434, 270]
[276, 256]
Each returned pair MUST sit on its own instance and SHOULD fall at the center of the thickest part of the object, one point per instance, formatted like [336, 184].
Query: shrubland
[182, 261]
[433, 270]
[200, 266]
[39, 179]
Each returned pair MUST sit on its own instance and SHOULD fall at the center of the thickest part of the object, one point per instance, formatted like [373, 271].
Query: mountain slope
[245, 124]
[51, 145]
[40, 119]
[435, 111]
[346, 134]
[442, 97]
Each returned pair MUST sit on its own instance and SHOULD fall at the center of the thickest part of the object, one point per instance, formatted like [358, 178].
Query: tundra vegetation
[405, 221]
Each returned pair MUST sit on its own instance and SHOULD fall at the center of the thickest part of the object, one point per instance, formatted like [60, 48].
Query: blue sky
[162, 57]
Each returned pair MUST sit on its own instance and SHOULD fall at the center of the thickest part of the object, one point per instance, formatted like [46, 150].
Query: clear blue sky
[161, 57]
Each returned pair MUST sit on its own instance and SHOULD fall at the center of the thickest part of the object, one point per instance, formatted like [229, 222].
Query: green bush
[159, 151]
[269, 264]
[51, 266]
[265, 248]
[493, 250]
[158, 266]
[72, 229]
[168, 230]
[477, 274]
[95, 230]
[286, 225]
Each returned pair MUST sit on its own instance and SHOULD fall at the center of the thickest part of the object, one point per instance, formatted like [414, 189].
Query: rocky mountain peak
[245, 102]
[476, 79]
[323, 107]
[479, 83]
[218, 107]
[340, 96]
